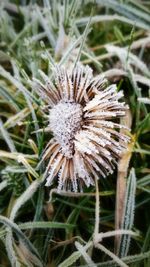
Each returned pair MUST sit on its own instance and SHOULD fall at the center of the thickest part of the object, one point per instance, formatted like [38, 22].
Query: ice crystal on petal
[82, 112]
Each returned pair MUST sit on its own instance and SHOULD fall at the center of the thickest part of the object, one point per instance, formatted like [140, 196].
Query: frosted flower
[83, 115]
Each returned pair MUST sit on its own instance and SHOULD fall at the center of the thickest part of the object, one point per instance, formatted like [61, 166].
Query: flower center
[65, 120]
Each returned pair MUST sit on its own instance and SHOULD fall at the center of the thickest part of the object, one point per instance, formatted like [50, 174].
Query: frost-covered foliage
[74, 123]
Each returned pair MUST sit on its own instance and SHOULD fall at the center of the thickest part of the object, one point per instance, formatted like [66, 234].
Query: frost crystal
[82, 112]
[65, 120]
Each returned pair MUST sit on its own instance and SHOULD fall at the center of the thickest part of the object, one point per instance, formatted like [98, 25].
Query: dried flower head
[82, 110]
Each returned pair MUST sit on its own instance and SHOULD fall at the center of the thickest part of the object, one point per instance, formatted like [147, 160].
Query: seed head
[83, 113]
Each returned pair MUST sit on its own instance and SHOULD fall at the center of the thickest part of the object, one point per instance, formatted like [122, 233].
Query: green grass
[38, 226]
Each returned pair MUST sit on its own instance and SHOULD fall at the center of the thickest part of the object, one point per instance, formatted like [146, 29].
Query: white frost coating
[83, 143]
[104, 114]
[54, 170]
[81, 170]
[65, 120]
[85, 83]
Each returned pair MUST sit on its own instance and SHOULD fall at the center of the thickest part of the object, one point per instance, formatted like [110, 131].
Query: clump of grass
[40, 227]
